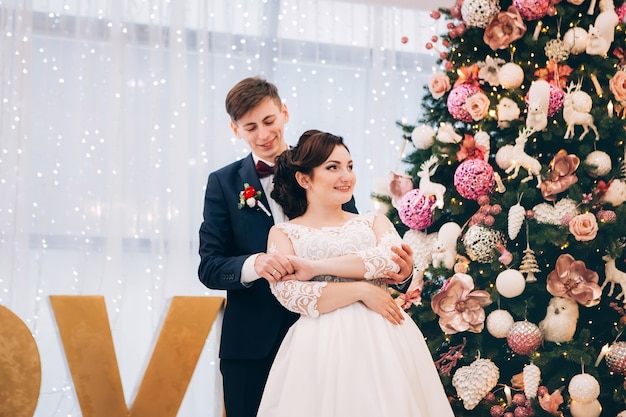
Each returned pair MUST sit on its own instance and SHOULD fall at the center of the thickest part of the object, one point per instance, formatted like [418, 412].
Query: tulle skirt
[353, 362]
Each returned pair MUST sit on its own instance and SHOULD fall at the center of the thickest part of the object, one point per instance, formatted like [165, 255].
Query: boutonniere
[251, 198]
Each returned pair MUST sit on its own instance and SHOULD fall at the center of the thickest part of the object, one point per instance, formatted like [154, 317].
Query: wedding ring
[273, 272]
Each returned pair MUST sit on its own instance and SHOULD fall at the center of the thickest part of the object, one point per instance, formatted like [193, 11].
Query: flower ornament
[584, 227]
[477, 105]
[555, 73]
[562, 175]
[550, 402]
[251, 198]
[467, 75]
[460, 308]
[413, 297]
[470, 149]
[504, 29]
[617, 85]
[438, 85]
[571, 279]
[489, 70]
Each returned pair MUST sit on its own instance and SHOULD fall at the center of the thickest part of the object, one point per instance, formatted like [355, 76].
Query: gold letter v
[86, 336]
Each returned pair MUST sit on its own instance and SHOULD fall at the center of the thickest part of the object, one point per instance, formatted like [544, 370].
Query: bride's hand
[380, 301]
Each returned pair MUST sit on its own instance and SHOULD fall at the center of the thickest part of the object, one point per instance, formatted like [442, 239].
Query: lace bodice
[356, 236]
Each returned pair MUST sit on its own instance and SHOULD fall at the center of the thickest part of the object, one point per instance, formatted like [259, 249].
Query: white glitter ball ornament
[475, 381]
[584, 388]
[511, 76]
[499, 322]
[598, 164]
[423, 136]
[478, 13]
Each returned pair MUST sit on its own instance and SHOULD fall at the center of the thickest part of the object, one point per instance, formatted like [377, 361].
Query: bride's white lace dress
[352, 361]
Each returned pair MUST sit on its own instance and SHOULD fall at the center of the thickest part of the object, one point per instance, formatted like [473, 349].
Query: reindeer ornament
[576, 108]
[426, 186]
[511, 158]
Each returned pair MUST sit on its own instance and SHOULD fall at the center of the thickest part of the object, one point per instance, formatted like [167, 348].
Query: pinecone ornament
[475, 381]
[517, 213]
[524, 337]
[532, 377]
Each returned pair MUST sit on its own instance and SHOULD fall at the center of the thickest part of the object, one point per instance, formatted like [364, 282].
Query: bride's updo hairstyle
[313, 149]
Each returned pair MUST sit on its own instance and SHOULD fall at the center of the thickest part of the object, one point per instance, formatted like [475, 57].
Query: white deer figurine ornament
[426, 186]
[576, 108]
[511, 158]
[613, 276]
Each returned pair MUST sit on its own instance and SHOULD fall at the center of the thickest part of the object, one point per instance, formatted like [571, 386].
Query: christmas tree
[513, 204]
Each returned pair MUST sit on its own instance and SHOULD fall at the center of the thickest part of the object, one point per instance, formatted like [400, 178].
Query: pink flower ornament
[459, 306]
[571, 279]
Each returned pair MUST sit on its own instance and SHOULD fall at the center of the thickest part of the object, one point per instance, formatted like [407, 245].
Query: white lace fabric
[356, 236]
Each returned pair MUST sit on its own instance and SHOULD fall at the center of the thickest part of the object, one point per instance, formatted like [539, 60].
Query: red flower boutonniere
[251, 198]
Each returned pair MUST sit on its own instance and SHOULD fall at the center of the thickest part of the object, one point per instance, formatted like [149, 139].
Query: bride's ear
[303, 180]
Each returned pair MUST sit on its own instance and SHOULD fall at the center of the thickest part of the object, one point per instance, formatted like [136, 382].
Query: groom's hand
[403, 256]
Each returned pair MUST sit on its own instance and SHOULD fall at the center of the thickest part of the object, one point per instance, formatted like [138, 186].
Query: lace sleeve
[299, 296]
[378, 260]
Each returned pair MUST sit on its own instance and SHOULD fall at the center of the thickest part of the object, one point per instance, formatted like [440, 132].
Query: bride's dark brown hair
[313, 149]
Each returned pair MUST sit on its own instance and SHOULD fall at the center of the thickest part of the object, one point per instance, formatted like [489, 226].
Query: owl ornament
[559, 325]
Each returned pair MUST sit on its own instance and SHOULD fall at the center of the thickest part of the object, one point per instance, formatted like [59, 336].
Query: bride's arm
[371, 263]
[311, 298]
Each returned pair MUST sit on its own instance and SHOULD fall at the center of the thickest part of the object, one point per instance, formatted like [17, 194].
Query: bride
[353, 351]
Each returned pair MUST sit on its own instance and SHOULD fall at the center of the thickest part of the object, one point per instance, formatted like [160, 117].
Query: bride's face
[333, 181]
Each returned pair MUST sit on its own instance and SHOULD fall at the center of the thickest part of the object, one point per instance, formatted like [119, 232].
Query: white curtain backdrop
[112, 116]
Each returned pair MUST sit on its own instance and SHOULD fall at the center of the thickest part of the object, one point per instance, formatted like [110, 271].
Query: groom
[238, 214]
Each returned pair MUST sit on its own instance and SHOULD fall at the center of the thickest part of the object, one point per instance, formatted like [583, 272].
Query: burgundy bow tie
[264, 170]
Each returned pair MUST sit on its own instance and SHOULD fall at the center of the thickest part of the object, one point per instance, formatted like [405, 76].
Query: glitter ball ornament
[511, 75]
[478, 13]
[499, 322]
[456, 101]
[532, 9]
[474, 178]
[475, 381]
[481, 243]
[416, 209]
[616, 358]
[524, 337]
[583, 388]
[598, 164]
[606, 216]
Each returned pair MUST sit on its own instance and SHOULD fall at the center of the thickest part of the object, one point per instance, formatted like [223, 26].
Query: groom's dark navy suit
[254, 322]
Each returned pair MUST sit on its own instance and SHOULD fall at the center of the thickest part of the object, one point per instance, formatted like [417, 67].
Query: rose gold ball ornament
[524, 337]
[616, 358]
[404, 39]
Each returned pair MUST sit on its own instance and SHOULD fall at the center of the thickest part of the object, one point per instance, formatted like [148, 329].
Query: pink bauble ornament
[474, 178]
[557, 98]
[416, 209]
[524, 337]
[532, 9]
[456, 101]
[616, 358]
